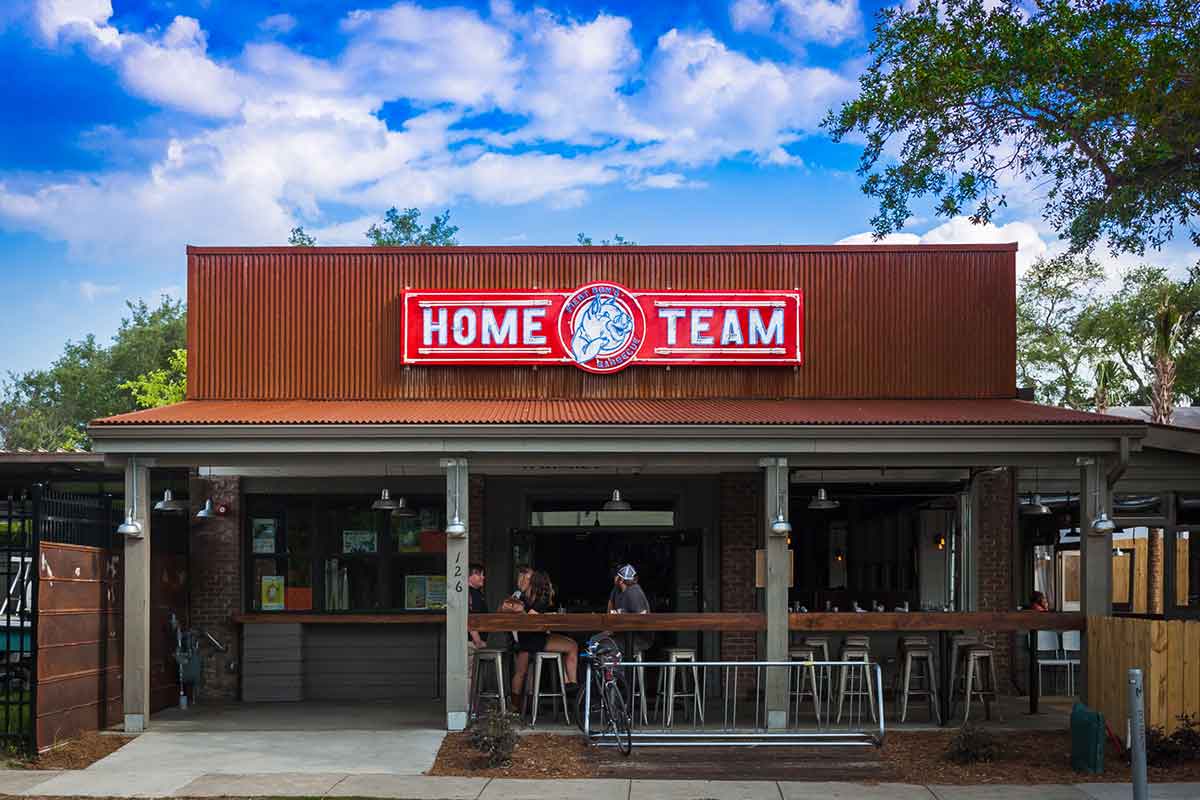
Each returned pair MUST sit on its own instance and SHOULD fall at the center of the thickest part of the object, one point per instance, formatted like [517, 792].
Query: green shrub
[495, 735]
[972, 745]
[1181, 747]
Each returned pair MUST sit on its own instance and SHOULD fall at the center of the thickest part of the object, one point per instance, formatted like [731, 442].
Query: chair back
[1047, 641]
[1071, 641]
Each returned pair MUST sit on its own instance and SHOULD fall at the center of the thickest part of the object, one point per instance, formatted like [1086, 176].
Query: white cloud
[960, 230]
[285, 136]
[89, 291]
[278, 23]
[829, 22]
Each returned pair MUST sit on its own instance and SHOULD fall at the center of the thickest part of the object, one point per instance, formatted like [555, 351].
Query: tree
[617, 241]
[403, 228]
[50, 409]
[161, 387]
[1097, 100]
[1168, 326]
[298, 238]
[1056, 340]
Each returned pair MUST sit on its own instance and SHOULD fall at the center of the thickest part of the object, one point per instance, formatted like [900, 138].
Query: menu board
[424, 592]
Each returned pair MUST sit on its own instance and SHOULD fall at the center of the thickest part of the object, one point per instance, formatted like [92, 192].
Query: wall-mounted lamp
[940, 541]
[456, 529]
[131, 527]
[211, 511]
[616, 503]
[839, 555]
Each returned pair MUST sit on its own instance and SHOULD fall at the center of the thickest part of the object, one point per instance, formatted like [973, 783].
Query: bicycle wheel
[619, 722]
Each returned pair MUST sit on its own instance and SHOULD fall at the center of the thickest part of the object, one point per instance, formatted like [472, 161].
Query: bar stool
[853, 674]
[638, 698]
[533, 691]
[916, 651]
[958, 648]
[821, 645]
[495, 658]
[986, 679]
[799, 674]
[669, 692]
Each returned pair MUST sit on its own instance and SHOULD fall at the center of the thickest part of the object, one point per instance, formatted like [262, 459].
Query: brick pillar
[994, 538]
[215, 564]
[477, 551]
[739, 520]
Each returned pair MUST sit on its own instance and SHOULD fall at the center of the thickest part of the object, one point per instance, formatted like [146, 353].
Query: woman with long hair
[537, 594]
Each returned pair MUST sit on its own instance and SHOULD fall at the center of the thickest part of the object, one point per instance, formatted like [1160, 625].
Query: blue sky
[131, 129]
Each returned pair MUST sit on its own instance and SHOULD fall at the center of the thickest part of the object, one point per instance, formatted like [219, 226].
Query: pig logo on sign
[602, 329]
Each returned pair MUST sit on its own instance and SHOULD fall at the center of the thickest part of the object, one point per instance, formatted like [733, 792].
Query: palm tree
[1106, 380]
[1168, 325]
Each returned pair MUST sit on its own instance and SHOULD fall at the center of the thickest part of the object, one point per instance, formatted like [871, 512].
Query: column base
[456, 720]
[777, 720]
[135, 723]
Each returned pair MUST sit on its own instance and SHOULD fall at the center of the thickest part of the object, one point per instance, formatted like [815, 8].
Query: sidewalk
[417, 787]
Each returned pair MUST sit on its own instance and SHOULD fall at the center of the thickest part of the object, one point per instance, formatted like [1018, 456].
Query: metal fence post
[1137, 715]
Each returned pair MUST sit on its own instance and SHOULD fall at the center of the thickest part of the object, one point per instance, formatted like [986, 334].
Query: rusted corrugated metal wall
[299, 323]
[80, 637]
[79, 641]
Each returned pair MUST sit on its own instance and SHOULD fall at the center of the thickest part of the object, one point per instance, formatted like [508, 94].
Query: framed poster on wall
[262, 535]
[416, 593]
[273, 593]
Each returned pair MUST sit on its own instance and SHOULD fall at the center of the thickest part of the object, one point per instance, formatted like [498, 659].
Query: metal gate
[18, 643]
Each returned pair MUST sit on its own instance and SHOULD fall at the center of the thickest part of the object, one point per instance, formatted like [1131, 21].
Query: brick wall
[476, 550]
[994, 532]
[215, 562]
[740, 503]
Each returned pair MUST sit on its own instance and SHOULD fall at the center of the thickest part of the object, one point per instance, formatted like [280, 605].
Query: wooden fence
[1167, 652]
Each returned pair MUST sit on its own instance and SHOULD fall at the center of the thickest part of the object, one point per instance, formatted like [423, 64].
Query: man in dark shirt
[632, 600]
[476, 602]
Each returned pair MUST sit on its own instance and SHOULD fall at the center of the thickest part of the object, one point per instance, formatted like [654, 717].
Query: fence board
[1167, 652]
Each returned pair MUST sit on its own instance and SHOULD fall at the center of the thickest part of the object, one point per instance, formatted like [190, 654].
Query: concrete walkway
[418, 787]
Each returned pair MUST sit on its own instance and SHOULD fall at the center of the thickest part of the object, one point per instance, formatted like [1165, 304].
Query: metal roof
[610, 412]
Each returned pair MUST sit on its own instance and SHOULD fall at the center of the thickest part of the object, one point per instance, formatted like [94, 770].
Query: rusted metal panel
[629, 412]
[324, 323]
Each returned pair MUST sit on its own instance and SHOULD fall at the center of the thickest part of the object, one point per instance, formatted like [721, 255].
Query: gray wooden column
[775, 494]
[457, 562]
[135, 690]
[1095, 552]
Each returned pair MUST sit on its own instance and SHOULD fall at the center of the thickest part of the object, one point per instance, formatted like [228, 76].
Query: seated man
[630, 599]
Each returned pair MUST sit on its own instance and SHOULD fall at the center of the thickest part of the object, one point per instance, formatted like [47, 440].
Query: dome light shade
[402, 510]
[385, 502]
[780, 526]
[208, 512]
[616, 503]
[1102, 525]
[1035, 507]
[456, 529]
[130, 527]
[822, 501]
[169, 503]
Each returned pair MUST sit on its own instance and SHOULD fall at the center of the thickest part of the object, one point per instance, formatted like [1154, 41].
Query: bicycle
[604, 658]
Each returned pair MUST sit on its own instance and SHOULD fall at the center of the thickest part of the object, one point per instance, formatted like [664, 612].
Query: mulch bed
[79, 753]
[537, 755]
[1033, 757]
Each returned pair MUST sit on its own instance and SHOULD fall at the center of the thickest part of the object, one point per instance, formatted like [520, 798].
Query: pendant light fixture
[385, 502]
[1101, 525]
[208, 511]
[455, 529]
[402, 510]
[780, 525]
[821, 501]
[1035, 507]
[616, 503]
[131, 527]
[169, 503]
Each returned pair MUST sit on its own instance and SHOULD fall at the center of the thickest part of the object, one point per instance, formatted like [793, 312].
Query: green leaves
[403, 229]
[49, 409]
[1099, 102]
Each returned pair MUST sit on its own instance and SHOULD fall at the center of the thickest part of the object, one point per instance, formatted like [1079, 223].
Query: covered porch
[733, 470]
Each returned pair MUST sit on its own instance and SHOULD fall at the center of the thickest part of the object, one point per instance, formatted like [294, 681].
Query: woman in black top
[536, 595]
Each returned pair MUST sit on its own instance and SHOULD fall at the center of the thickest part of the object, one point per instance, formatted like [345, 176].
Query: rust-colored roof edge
[1000, 247]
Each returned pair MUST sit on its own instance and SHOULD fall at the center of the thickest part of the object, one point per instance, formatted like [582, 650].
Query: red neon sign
[603, 327]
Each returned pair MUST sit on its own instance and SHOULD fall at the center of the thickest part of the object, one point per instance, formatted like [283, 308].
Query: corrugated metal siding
[297, 323]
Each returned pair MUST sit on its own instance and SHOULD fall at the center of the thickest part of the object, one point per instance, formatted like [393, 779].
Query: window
[338, 554]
